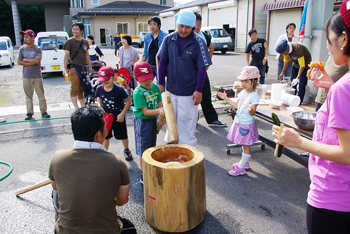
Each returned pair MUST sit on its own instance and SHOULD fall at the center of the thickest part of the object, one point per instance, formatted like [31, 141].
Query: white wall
[168, 23]
[241, 27]
[278, 22]
[219, 17]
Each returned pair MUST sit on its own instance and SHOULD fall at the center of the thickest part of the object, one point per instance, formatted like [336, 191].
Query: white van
[220, 39]
[6, 52]
[51, 44]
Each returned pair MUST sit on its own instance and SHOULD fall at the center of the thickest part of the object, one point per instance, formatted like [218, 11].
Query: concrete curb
[67, 129]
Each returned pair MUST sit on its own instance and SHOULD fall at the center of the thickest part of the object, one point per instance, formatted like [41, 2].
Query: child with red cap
[115, 101]
[147, 105]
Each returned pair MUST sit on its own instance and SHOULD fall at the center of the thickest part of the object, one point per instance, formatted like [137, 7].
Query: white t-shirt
[126, 56]
[92, 50]
[243, 116]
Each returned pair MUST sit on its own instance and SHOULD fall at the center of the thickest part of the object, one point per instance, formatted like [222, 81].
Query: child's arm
[149, 112]
[223, 95]
[127, 104]
[160, 105]
[252, 108]
[99, 103]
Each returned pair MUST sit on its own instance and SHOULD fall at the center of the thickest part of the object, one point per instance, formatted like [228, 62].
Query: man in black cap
[301, 57]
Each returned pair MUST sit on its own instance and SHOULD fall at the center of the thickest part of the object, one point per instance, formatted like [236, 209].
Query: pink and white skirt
[243, 134]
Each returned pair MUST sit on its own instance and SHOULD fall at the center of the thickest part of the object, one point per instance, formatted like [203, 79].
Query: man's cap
[105, 73]
[282, 46]
[28, 32]
[186, 17]
[345, 12]
[143, 71]
[249, 72]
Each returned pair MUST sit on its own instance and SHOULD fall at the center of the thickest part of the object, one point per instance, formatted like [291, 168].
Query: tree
[6, 25]
[32, 17]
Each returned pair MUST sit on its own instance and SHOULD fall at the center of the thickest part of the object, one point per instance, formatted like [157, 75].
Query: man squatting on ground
[209, 111]
[183, 59]
[29, 56]
[77, 48]
[88, 180]
[259, 49]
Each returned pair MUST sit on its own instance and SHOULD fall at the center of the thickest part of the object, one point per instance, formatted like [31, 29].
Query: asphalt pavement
[270, 198]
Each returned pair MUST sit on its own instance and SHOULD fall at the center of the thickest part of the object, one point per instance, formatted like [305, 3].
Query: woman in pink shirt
[328, 209]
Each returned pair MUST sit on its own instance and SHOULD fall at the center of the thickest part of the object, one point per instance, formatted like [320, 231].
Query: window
[87, 27]
[3, 45]
[122, 28]
[51, 42]
[219, 32]
[95, 2]
[142, 27]
[162, 2]
[76, 3]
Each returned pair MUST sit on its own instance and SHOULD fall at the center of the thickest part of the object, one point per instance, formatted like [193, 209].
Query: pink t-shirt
[330, 181]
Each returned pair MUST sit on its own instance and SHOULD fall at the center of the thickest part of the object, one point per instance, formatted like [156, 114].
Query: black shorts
[323, 221]
[119, 130]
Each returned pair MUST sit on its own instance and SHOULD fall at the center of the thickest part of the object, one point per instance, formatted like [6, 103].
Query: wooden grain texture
[35, 186]
[170, 117]
[174, 193]
[283, 115]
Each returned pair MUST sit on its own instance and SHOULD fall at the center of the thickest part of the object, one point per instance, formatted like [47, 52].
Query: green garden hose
[7, 164]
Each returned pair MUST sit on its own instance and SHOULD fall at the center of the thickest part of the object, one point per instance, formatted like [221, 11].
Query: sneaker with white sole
[216, 123]
[246, 166]
[127, 155]
[236, 171]
[141, 179]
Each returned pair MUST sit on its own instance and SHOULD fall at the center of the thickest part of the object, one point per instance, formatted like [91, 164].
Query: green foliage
[6, 23]
[70, 33]
[32, 17]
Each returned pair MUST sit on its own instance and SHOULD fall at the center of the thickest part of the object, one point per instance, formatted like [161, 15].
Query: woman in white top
[94, 49]
[290, 28]
[128, 55]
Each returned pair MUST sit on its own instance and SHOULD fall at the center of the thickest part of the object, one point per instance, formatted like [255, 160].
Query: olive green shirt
[298, 52]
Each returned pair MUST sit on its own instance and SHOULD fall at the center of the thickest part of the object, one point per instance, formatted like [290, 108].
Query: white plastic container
[290, 100]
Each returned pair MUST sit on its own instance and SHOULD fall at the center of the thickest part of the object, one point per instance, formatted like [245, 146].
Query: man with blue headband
[184, 57]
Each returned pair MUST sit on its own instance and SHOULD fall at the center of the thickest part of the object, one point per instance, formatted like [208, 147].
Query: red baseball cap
[143, 71]
[28, 32]
[105, 73]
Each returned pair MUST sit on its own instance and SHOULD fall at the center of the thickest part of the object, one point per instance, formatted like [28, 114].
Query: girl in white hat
[243, 130]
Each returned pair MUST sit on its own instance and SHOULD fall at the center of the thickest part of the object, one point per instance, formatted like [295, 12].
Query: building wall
[278, 22]
[168, 23]
[205, 15]
[54, 13]
[88, 4]
[243, 25]
[110, 22]
[219, 17]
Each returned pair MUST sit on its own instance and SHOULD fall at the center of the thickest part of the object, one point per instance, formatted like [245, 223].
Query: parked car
[51, 44]
[6, 52]
[219, 37]
[136, 39]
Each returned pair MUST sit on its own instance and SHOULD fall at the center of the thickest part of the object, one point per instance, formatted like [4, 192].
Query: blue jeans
[302, 81]
[83, 73]
[262, 69]
[280, 68]
[155, 72]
